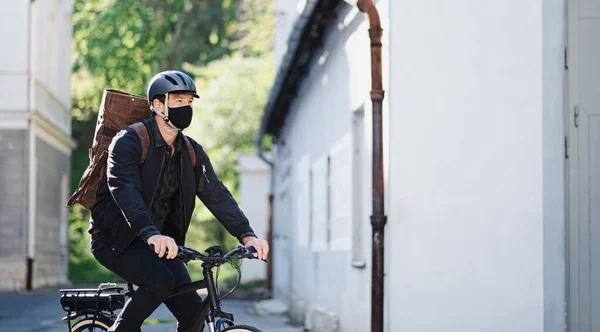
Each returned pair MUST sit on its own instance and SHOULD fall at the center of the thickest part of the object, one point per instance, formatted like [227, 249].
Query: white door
[584, 165]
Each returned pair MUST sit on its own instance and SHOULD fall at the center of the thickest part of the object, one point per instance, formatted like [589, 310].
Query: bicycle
[93, 309]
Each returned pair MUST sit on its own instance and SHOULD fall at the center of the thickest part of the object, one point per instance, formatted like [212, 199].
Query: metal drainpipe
[259, 153]
[378, 218]
[31, 197]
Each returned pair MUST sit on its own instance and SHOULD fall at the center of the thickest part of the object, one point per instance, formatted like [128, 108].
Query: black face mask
[181, 117]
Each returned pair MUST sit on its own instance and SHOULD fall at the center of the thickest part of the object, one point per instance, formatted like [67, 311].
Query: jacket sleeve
[218, 199]
[124, 181]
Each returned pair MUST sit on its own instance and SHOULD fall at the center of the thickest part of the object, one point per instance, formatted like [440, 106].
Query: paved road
[41, 311]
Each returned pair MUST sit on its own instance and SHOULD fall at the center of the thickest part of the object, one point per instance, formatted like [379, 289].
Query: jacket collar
[159, 141]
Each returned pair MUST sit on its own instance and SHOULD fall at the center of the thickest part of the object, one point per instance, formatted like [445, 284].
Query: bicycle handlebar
[187, 254]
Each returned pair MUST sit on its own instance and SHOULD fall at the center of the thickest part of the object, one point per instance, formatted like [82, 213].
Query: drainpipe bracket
[376, 33]
[378, 222]
[377, 95]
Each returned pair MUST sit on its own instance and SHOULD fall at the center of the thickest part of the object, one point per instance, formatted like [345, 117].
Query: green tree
[233, 92]
[121, 44]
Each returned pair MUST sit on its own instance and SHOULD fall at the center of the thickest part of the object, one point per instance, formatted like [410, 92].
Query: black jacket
[127, 190]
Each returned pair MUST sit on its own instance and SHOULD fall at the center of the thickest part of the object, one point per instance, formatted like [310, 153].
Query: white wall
[13, 60]
[466, 167]
[51, 55]
[553, 89]
[473, 169]
[35, 73]
[319, 126]
[254, 201]
[39, 37]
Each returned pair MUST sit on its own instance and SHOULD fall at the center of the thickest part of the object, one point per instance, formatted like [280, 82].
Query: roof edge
[305, 39]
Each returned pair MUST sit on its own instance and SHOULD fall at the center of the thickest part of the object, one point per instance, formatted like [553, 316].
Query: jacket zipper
[153, 194]
[156, 188]
[184, 216]
[204, 173]
[159, 173]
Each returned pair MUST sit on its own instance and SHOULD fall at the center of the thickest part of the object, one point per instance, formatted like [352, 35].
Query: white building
[490, 227]
[35, 143]
[254, 201]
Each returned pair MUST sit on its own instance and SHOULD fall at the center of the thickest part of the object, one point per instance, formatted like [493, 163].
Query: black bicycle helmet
[171, 81]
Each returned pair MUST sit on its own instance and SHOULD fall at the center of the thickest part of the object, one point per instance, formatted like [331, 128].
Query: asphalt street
[41, 311]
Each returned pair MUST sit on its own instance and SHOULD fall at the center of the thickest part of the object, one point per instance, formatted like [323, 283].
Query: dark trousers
[156, 279]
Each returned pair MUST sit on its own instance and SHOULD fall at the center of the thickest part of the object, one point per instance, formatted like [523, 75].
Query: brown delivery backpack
[117, 110]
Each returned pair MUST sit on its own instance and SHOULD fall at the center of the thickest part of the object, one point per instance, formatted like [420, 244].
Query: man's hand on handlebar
[261, 246]
[163, 245]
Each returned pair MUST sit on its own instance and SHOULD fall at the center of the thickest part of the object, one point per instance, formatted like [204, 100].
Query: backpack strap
[191, 150]
[142, 133]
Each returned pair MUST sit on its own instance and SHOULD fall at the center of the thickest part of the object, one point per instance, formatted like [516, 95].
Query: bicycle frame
[211, 305]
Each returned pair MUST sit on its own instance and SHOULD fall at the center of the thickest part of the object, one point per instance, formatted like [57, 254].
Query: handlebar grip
[252, 251]
[151, 246]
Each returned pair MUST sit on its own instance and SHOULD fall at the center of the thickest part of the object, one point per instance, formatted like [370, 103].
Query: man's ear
[158, 105]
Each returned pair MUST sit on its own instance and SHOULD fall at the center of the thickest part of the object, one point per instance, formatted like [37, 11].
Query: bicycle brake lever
[250, 251]
[184, 255]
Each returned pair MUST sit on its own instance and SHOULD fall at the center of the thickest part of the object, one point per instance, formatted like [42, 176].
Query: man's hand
[162, 244]
[261, 246]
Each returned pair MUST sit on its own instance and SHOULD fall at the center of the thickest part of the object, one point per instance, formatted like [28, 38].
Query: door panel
[584, 165]
[594, 225]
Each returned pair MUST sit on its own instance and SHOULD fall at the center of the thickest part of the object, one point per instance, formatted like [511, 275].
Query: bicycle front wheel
[99, 324]
[241, 328]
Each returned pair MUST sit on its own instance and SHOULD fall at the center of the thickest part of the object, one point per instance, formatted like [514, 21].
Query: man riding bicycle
[151, 203]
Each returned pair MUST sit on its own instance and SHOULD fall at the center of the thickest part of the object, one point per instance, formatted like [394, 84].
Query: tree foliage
[233, 92]
[119, 40]
[121, 44]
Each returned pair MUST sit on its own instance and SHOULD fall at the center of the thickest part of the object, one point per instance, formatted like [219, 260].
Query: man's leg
[185, 307]
[142, 267]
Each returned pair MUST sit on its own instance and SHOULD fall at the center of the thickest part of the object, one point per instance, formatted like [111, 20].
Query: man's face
[175, 100]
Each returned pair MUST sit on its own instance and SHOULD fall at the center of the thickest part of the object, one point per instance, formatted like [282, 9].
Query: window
[318, 199]
[359, 158]
[303, 208]
[340, 193]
